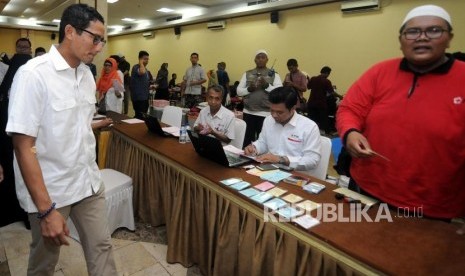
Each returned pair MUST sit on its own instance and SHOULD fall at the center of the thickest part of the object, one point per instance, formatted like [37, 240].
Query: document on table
[306, 221]
[132, 121]
[172, 130]
[275, 176]
[366, 200]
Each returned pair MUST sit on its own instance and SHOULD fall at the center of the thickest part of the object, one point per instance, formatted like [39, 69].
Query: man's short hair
[79, 16]
[217, 88]
[24, 39]
[283, 94]
[39, 50]
[292, 62]
[143, 53]
[325, 70]
[194, 54]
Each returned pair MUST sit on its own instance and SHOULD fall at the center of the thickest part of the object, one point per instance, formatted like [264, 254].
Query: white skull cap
[261, 51]
[428, 10]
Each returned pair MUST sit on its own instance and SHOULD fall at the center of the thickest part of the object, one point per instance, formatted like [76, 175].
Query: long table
[224, 233]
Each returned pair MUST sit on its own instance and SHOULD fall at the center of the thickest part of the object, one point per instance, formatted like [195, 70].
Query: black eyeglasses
[97, 39]
[431, 32]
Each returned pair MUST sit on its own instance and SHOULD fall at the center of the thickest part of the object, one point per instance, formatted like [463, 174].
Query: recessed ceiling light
[112, 1]
[165, 10]
[128, 19]
[56, 20]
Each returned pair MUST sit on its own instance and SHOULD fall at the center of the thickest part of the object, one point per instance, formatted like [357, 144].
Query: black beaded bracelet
[48, 211]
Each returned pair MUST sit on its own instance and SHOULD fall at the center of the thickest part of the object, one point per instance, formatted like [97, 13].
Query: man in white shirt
[254, 87]
[287, 137]
[192, 82]
[51, 108]
[215, 119]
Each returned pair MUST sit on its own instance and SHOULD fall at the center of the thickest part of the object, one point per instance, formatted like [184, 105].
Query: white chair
[239, 133]
[118, 198]
[172, 115]
[321, 169]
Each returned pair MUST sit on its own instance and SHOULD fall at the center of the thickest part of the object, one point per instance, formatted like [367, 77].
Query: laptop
[211, 148]
[153, 125]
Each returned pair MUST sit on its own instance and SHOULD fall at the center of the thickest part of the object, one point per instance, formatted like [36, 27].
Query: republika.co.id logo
[331, 212]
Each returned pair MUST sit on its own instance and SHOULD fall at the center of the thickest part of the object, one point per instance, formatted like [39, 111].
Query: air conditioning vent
[174, 18]
[148, 34]
[216, 25]
[359, 6]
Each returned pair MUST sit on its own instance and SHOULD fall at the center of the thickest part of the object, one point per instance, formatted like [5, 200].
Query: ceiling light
[116, 27]
[128, 19]
[165, 10]
[56, 20]
[112, 1]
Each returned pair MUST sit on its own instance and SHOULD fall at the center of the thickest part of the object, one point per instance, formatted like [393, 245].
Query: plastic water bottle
[188, 140]
[182, 135]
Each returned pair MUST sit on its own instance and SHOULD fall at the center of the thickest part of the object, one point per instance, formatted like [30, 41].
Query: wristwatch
[282, 160]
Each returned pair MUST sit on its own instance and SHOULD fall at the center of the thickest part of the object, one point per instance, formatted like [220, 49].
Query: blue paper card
[240, 186]
[275, 176]
[289, 212]
[250, 192]
[261, 197]
[275, 203]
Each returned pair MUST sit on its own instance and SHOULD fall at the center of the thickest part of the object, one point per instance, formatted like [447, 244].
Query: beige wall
[38, 39]
[315, 36]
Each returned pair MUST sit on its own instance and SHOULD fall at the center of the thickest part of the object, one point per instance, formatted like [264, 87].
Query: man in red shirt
[411, 110]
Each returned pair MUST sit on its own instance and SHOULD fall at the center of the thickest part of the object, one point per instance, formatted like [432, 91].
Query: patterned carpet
[143, 233]
[146, 233]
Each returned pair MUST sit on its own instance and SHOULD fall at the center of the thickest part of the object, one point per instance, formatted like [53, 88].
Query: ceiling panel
[14, 12]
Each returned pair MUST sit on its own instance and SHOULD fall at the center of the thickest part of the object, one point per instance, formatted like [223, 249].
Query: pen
[254, 149]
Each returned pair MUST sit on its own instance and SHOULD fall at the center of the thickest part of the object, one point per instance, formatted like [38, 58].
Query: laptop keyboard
[232, 158]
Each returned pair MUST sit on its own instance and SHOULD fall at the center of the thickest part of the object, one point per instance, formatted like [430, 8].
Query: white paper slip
[233, 149]
[366, 200]
[132, 121]
[171, 130]
[308, 205]
[306, 221]
[275, 203]
[98, 116]
[250, 192]
[230, 181]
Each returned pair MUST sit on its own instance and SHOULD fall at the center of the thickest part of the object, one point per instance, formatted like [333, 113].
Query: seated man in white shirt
[287, 137]
[215, 119]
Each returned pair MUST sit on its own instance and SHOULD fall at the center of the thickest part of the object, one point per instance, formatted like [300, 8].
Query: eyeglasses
[97, 39]
[107, 65]
[431, 32]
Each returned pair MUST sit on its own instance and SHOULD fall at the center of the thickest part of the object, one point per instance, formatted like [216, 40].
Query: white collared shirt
[55, 103]
[194, 73]
[298, 140]
[222, 121]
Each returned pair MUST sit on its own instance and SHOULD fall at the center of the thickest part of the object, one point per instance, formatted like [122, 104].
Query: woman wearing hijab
[110, 87]
[162, 81]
